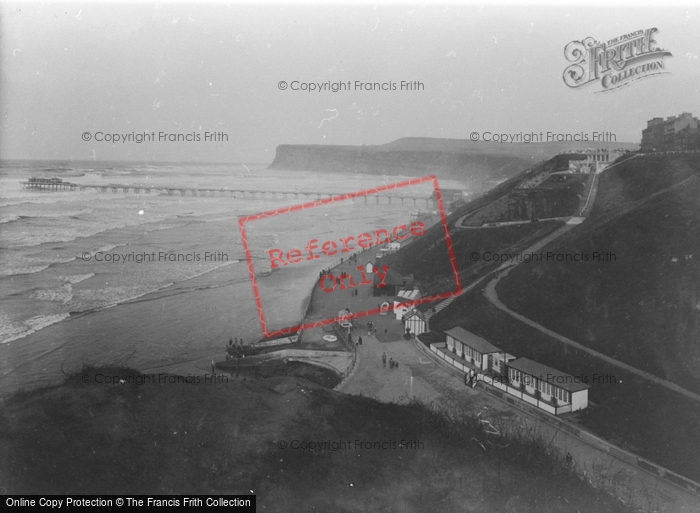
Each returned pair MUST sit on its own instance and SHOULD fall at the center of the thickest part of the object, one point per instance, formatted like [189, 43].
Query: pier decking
[54, 185]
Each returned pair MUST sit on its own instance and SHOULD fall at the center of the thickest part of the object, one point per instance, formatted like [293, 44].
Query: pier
[57, 185]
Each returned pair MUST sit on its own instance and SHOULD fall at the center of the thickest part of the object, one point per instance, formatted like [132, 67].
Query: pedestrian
[384, 360]
[213, 367]
[396, 364]
[359, 340]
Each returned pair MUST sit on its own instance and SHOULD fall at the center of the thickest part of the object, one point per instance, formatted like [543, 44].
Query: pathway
[421, 375]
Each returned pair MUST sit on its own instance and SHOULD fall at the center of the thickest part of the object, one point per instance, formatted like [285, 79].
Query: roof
[414, 312]
[391, 278]
[551, 376]
[407, 294]
[473, 341]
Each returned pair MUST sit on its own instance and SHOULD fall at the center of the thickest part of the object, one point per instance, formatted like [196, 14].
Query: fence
[614, 451]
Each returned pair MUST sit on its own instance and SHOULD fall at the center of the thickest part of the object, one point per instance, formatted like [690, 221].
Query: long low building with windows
[474, 350]
[539, 385]
[547, 388]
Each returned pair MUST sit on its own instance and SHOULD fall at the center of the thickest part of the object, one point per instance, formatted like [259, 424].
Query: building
[416, 322]
[687, 139]
[547, 388]
[653, 135]
[675, 133]
[403, 300]
[387, 285]
[539, 385]
[482, 356]
[596, 160]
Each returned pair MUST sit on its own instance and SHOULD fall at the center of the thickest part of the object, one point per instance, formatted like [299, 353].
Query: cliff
[473, 163]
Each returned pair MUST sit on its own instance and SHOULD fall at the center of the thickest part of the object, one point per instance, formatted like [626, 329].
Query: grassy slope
[644, 308]
[649, 420]
[641, 309]
[222, 438]
[427, 257]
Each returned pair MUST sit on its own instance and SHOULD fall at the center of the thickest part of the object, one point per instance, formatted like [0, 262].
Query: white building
[479, 354]
[402, 302]
[416, 321]
[547, 388]
[596, 161]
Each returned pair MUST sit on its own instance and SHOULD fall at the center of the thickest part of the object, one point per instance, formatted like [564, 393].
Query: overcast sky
[194, 68]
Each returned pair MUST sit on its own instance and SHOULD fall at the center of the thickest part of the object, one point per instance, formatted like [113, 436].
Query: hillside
[228, 438]
[427, 258]
[644, 307]
[477, 164]
[641, 308]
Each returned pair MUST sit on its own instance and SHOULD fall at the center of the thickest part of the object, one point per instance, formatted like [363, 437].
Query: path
[490, 293]
[422, 376]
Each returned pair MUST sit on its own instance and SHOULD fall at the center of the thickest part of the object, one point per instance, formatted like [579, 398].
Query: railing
[497, 389]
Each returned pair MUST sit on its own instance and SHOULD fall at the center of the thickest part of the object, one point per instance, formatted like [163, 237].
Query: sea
[154, 281]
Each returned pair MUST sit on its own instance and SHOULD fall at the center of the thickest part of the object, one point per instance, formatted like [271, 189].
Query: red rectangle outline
[294, 329]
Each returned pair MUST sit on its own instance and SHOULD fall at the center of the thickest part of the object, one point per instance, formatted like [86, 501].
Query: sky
[72, 74]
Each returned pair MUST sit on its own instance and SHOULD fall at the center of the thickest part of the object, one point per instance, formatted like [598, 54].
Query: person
[359, 340]
[396, 364]
[383, 359]
[391, 362]
[213, 367]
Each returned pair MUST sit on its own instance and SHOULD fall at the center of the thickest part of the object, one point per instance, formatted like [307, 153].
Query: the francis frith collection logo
[615, 63]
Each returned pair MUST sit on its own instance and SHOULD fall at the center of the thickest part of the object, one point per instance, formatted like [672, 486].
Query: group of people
[234, 349]
[324, 272]
[393, 364]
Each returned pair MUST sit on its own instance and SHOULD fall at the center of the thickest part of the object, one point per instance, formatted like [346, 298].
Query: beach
[77, 287]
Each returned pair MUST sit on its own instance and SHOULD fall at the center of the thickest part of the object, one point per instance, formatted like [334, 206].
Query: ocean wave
[10, 331]
[104, 249]
[10, 218]
[16, 268]
[37, 215]
[83, 302]
[76, 278]
[28, 269]
[61, 294]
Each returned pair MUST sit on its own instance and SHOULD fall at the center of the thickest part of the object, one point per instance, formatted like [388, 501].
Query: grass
[647, 419]
[83, 438]
[641, 309]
